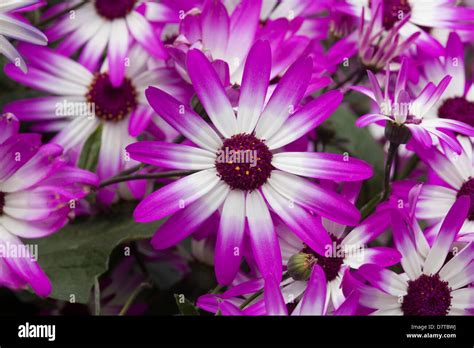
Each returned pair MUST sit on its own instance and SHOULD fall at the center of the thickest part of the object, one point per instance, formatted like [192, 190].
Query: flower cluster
[240, 126]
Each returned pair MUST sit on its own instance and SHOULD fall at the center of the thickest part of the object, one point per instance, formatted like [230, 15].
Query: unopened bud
[299, 266]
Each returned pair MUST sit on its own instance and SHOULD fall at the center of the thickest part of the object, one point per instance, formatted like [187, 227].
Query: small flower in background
[240, 186]
[433, 285]
[37, 188]
[104, 26]
[18, 29]
[423, 14]
[450, 176]
[457, 101]
[404, 115]
[83, 101]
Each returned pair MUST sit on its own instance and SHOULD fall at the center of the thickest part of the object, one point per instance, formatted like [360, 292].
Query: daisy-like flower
[221, 36]
[38, 191]
[16, 29]
[109, 26]
[245, 186]
[454, 177]
[434, 284]
[457, 101]
[84, 101]
[423, 13]
[274, 298]
[402, 114]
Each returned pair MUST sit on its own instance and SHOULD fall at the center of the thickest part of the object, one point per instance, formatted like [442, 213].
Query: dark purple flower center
[112, 9]
[427, 295]
[111, 103]
[467, 189]
[393, 11]
[458, 109]
[2, 202]
[330, 264]
[244, 162]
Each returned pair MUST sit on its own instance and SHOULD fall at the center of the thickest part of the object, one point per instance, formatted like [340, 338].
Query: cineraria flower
[273, 298]
[38, 191]
[454, 178]
[405, 115]
[431, 285]
[84, 101]
[238, 167]
[457, 101]
[17, 29]
[423, 14]
[223, 37]
[101, 26]
[347, 251]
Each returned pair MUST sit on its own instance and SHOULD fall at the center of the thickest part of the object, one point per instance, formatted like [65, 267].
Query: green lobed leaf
[79, 252]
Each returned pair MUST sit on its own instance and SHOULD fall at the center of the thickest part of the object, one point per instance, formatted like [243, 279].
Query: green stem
[96, 296]
[120, 178]
[132, 297]
[392, 153]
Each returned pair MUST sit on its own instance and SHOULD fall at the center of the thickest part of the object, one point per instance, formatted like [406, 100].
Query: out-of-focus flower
[423, 14]
[402, 114]
[84, 101]
[453, 177]
[238, 167]
[107, 26]
[38, 192]
[431, 285]
[222, 37]
[457, 101]
[17, 29]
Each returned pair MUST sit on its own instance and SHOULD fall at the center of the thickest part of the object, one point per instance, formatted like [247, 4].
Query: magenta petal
[169, 155]
[117, 52]
[254, 86]
[176, 196]
[187, 220]
[183, 119]
[285, 99]
[211, 93]
[263, 238]
[349, 306]
[306, 119]
[215, 28]
[228, 251]
[447, 234]
[274, 302]
[314, 298]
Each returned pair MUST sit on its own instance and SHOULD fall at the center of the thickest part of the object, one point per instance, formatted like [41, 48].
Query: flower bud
[299, 266]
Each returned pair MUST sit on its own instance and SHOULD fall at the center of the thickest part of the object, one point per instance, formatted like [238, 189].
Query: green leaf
[185, 306]
[78, 253]
[358, 142]
[90, 151]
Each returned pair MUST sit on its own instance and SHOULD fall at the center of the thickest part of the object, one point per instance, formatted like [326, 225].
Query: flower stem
[133, 296]
[392, 153]
[122, 178]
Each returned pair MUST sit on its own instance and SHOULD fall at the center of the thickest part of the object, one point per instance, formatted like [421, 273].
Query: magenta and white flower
[400, 108]
[38, 192]
[245, 189]
[457, 101]
[104, 26]
[423, 13]
[82, 101]
[433, 283]
[450, 176]
[17, 29]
